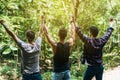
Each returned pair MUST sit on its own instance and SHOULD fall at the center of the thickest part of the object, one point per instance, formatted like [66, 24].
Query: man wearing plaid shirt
[92, 53]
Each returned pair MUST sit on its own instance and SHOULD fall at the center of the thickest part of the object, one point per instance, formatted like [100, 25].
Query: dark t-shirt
[61, 57]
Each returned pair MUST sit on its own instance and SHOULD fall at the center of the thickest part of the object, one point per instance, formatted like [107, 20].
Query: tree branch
[76, 8]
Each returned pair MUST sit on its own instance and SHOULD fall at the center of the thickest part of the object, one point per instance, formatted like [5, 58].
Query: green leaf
[6, 51]
[13, 48]
[12, 6]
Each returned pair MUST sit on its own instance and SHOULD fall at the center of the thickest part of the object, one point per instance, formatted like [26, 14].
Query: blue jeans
[92, 71]
[61, 75]
[34, 76]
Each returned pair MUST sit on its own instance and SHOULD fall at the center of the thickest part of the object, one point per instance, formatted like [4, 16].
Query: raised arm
[15, 38]
[38, 41]
[108, 33]
[72, 35]
[40, 30]
[80, 34]
[49, 39]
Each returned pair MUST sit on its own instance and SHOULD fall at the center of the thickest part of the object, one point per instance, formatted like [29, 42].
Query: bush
[47, 76]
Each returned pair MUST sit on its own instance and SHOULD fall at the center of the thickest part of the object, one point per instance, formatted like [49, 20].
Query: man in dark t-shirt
[92, 52]
[61, 52]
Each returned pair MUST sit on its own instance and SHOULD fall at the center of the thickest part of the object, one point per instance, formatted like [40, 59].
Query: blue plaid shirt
[92, 53]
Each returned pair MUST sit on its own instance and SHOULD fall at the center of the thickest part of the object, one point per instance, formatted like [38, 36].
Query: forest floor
[113, 74]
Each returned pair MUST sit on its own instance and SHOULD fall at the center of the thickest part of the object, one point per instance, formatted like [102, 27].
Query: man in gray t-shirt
[29, 53]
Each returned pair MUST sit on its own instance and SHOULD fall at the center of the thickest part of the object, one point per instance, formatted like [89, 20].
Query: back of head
[62, 33]
[30, 35]
[94, 31]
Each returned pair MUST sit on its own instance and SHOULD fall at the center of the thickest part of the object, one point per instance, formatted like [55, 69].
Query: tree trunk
[76, 8]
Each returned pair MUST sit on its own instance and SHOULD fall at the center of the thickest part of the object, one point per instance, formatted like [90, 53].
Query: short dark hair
[62, 33]
[30, 35]
[94, 31]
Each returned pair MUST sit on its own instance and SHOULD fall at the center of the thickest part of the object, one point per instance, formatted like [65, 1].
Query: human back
[30, 53]
[30, 56]
[61, 57]
[61, 52]
[92, 52]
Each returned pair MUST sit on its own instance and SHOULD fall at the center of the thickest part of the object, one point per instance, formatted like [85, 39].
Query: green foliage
[47, 76]
[8, 71]
[112, 59]
[77, 73]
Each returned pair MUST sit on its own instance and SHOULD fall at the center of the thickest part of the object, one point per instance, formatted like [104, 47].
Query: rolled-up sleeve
[38, 42]
[19, 43]
[27, 48]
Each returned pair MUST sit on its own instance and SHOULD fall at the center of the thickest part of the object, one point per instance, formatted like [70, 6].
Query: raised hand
[44, 24]
[43, 19]
[111, 19]
[45, 29]
[112, 23]
[41, 26]
[72, 19]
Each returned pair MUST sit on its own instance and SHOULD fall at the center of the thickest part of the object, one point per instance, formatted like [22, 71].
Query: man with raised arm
[92, 52]
[29, 53]
[61, 51]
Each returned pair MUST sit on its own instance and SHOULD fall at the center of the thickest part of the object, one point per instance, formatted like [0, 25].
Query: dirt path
[113, 74]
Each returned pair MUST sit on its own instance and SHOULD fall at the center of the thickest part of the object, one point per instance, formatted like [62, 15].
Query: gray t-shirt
[30, 56]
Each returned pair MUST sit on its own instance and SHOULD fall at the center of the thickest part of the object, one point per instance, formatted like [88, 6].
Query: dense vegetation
[22, 15]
